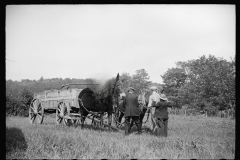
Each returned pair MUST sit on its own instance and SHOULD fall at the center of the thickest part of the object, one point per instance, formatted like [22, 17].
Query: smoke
[101, 83]
[101, 77]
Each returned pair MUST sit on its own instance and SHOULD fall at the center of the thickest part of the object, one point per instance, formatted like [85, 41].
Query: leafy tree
[210, 82]
[140, 80]
[125, 81]
[173, 80]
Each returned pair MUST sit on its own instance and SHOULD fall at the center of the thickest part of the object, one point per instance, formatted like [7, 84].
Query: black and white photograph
[120, 81]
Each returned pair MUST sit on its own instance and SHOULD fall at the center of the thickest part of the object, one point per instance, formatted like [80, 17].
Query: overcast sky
[99, 41]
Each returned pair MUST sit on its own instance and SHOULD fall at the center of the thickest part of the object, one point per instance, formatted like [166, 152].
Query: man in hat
[132, 111]
[154, 98]
[161, 115]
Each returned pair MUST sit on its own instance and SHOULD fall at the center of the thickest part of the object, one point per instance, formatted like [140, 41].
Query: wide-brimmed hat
[131, 89]
[163, 97]
[153, 88]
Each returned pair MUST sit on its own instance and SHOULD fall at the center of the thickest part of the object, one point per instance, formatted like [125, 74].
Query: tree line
[204, 84]
[19, 94]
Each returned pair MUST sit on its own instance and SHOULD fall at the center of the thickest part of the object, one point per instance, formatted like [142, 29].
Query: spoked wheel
[61, 111]
[36, 111]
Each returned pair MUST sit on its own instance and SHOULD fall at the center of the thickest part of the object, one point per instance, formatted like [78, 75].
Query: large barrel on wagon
[64, 102]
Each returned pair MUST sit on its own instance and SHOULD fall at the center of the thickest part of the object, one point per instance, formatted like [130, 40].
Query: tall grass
[188, 137]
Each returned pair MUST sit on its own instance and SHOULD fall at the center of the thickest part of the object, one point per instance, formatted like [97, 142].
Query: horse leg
[93, 123]
[109, 120]
[83, 117]
[120, 118]
[101, 119]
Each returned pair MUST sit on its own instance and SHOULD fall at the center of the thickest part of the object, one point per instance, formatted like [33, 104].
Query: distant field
[188, 137]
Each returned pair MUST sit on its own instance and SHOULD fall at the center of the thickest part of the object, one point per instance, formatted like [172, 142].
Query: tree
[140, 80]
[173, 80]
[125, 81]
[210, 82]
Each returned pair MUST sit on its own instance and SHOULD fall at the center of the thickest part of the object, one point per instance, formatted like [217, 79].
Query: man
[143, 99]
[161, 115]
[132, 111]
[154, 98]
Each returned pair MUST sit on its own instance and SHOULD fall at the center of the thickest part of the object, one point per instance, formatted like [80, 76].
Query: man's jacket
[130, 103]
[161, 110]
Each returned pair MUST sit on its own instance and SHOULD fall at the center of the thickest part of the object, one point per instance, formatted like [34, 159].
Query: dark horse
[143, 99]
[90, 104]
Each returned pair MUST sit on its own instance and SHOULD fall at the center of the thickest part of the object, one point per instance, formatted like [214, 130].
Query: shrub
[19, 105]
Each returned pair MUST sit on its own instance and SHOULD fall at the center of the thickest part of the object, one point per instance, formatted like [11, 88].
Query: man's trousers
[160, 127]
[128, 125]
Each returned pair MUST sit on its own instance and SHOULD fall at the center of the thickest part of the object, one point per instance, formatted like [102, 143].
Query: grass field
[189, 137]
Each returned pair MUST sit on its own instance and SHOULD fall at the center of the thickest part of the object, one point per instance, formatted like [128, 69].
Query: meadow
[189, 137]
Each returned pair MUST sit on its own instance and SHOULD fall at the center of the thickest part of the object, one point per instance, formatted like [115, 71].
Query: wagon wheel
[36, 110]
[40, 114]
[61, 111]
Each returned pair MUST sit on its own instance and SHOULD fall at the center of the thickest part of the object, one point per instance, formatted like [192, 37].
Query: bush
[19, 105]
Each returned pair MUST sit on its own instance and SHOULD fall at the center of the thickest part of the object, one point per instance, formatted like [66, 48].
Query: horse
[89, 103]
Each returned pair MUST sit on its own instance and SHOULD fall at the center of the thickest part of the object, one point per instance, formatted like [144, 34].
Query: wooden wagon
[64, 102]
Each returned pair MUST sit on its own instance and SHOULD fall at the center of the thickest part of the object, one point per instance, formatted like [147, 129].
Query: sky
[99, 41]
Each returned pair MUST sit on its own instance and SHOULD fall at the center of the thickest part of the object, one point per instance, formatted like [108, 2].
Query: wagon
[64, 102]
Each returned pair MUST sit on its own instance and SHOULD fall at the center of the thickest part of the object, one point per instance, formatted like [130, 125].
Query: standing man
[161, 115]
[154, 98]
[132, 111]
